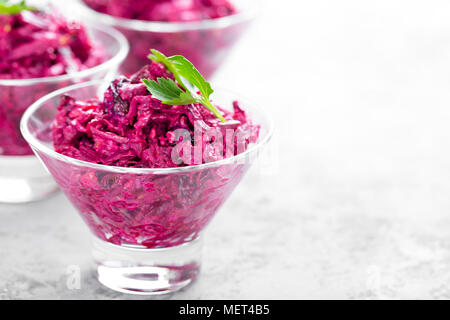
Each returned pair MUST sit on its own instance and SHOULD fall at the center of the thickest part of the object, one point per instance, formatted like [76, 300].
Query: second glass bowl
[205, 43]
[22, 177]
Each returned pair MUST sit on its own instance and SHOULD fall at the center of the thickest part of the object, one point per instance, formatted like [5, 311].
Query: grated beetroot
[206, 48]
[130, 128]
[40, 44]
[35, 45]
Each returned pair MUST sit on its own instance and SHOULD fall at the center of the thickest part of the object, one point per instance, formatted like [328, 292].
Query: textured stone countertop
[356, 203]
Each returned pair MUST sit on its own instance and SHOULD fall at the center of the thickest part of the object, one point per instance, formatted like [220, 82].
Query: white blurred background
[360, 91]
[360, 94]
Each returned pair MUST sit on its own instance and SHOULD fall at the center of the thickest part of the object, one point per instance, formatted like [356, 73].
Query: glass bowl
[147, 223]
[205, 43]
[22, 178]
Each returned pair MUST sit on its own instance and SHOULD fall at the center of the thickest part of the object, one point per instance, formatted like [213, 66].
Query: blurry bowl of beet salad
[42, 51]
[147, 162]
[204, 31]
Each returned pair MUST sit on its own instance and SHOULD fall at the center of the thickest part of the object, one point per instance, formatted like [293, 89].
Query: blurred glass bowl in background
[205, 43]
[22, 177]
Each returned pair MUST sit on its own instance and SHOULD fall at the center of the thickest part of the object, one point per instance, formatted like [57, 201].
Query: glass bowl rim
[36, 144]
[169, 27]
[120, 56]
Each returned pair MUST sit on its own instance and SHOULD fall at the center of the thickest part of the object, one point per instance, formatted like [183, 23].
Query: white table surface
[357, 203]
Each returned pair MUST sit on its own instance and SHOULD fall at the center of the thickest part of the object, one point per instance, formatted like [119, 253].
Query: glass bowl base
[140, 271]
[24, 179]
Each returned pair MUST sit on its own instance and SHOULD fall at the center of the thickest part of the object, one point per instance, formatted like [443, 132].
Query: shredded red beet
[129, 128]
[36, 45]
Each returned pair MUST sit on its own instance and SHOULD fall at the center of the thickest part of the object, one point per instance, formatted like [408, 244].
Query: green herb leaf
[168, 92]
[187, 70]
[161, 58]
[7, 8]
[187, 77]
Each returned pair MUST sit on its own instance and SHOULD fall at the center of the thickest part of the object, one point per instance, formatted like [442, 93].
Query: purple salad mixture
[36, 44]
[206, 47]
[130, 128]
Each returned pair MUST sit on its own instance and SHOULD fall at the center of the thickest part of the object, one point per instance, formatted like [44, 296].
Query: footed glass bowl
[205, 43]
[22, 178]
[147, 223]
